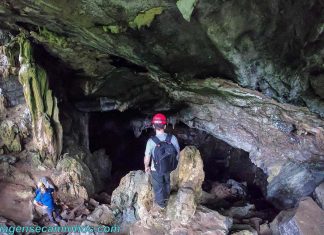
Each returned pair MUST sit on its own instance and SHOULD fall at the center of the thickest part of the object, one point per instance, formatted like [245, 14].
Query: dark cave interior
[113, 132]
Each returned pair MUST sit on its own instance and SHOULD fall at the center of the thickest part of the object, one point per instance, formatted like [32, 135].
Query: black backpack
[164, 155]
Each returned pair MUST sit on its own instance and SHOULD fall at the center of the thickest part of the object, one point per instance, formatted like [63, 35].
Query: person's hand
[37, 203]
[147, 169]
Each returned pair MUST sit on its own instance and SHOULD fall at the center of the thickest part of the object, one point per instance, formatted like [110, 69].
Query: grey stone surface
[12, 90]
[305, 219]
[319, 195]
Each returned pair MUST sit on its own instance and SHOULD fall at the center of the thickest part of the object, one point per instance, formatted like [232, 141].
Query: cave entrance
[114, 132]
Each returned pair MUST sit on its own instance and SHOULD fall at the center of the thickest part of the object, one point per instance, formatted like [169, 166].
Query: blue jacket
[45, 198]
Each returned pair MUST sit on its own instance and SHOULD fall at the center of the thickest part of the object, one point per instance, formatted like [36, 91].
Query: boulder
[7, 158]
[240, 212]
[220, 190]
[237, 189]
[73, 178]
[6, 226]
[319, 195]
[182, 206]
[16, 202]
[9, 134]
[100, 167]
[204, 221]
[305, 219]
[102, 214]
[295, 181]
[133, 197]
[190, 171]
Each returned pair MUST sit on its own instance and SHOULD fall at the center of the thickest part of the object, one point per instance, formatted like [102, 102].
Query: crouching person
[44, 199]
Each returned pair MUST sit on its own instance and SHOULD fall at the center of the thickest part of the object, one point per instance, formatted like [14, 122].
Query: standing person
[44, 198]
[164, 150]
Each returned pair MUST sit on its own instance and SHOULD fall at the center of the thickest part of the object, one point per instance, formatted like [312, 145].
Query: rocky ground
[130, 204]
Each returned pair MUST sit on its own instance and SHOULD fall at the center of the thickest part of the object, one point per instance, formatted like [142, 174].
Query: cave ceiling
[275, 47]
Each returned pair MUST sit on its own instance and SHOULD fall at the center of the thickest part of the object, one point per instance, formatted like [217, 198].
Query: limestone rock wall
[47, 130]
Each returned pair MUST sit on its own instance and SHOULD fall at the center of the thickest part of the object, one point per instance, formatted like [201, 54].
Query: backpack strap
[168, 138]
[156, 140]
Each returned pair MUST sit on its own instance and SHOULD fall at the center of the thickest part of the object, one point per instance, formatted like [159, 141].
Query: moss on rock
[145, 18]
[52, 38]
[114, 29]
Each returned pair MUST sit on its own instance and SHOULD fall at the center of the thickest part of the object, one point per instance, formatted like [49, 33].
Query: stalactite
[47, 130]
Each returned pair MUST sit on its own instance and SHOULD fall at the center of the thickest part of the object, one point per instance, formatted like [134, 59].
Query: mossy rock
[9, 133]
[77, 173]
[51, 38]
[40, 100]
[114, 29]
[145, 18]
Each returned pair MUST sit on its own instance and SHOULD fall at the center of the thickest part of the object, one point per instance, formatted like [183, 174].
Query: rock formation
[47, 130]
[74, 178]
[134, 200]
[306, 218]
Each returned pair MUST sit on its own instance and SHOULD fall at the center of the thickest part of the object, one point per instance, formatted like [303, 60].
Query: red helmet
[159, 118]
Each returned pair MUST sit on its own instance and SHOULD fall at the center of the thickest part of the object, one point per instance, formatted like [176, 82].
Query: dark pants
[49, 212]
[161, 187]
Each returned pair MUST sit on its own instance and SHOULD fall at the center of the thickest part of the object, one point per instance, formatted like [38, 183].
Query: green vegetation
[115, 29]
[44, 35]
[145, 18]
